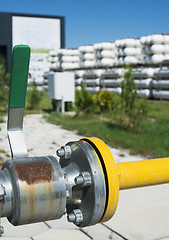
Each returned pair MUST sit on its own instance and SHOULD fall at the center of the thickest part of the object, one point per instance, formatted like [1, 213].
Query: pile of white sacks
[100, 66]
[105, 54]
[86, 56]
[128, 51]
[64, 59]
[155, 48]
[146, 51]
[151, 82]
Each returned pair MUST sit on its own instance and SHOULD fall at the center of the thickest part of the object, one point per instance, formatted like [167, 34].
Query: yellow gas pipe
[127, 175]
[143, 173]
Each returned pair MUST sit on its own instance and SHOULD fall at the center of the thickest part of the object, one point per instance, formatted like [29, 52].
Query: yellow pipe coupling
[110, 175]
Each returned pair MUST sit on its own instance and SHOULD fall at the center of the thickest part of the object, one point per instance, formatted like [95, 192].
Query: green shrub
[1, 118]
[133, 109]
[104, 100]
[84, 101]
[115, 103]
[33, 97]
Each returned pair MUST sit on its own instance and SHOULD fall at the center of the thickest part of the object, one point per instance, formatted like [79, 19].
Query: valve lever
[19, 77]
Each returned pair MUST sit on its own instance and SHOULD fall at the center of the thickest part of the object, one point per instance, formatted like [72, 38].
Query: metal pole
[63, 104]
[143, 173]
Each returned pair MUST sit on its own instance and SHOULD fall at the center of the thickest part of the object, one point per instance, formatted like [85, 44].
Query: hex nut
[64, 151]
[75, 216]
[68, 152]
[83, 179]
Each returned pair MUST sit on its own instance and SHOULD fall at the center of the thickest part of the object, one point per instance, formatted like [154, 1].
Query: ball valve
[83, 182]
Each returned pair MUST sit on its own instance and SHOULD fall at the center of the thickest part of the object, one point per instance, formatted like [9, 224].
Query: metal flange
[85, 184]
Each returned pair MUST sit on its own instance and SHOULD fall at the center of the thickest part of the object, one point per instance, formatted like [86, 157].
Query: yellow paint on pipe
[143, 173]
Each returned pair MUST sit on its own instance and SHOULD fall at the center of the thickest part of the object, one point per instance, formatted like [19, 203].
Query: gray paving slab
[142, 213]
[59, 234]
[62, 223]
[99, 232]
[22, 231]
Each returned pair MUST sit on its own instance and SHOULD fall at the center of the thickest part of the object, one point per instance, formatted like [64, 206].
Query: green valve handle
[19, 76]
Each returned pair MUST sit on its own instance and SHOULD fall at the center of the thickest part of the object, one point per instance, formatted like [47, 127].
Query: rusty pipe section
[35, 190]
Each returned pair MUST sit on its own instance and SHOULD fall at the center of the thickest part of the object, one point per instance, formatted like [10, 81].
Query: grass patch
[151, 141]
[45, 105]
[40, 50]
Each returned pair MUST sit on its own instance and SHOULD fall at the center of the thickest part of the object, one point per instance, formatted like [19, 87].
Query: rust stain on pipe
[34, 172]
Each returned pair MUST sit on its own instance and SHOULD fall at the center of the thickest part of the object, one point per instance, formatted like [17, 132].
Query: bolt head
[1, 230]
[2, 192]
[60, 152]
[71, 217]
[79, 180]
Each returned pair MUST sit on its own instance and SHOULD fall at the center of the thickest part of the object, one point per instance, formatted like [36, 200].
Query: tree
[84, 101]
[4, 85]
[33, 97]
[134, 109]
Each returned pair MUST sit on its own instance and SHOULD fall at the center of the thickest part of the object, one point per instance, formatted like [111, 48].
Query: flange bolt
[75, 216]
[83, 179]
[2, 192]
[1, 230]
[64, 151]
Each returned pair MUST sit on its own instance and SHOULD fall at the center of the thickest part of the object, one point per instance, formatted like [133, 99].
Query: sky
[92, 21]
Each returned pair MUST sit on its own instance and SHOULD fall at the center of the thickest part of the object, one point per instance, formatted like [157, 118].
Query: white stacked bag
[105, 54]
[91, 79]
[38, 66]
[155, 48]
[111, 80]
[128, 51]
[79, 79]
[86, 56]
[64, 59]
[143, 78]
[53, 60]
[68, 58]
[160, 84]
